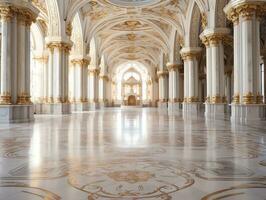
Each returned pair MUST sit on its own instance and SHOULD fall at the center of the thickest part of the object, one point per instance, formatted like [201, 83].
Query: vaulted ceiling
[127, 29]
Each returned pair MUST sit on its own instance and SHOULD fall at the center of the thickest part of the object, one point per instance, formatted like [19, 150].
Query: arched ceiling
[137, 30]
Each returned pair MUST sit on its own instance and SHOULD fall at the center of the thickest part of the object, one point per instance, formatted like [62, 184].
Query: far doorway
[132, 101]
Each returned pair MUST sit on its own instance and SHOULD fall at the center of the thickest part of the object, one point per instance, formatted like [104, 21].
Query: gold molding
[5, 98]
[24, 99]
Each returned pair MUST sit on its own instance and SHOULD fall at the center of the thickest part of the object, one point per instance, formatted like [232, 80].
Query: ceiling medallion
[133, 3]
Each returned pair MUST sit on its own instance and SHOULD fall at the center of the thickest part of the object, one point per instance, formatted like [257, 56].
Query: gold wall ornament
[5, 98]
[208, 100]
[249, 98]
[69, 29]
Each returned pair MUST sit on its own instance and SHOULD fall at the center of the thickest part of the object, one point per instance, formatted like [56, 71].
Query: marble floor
[132, 154]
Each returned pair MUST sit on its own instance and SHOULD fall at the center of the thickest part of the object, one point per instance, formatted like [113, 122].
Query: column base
[191, 108]
[162, 105]
[16, 113]
[103, 105]
[93, 106]
[56, 109]
[79, 106]
[174, 106]
[248, 113]
[215, 110]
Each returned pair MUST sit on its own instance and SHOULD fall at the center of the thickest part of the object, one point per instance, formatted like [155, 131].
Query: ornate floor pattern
[132, 154]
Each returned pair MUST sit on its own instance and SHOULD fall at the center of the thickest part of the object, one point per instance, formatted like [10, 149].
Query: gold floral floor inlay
[130, 155]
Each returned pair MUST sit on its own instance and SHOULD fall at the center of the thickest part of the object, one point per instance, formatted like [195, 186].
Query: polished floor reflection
[132, 154]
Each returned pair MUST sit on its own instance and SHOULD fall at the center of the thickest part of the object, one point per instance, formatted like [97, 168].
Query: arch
[193, 25]
[77, 36]
[55, 25]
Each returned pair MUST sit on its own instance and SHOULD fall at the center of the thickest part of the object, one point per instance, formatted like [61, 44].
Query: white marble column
[15, 102]
[191, 80]
[264, 75]
[58, 70]
[175, 98]
[40, 80]
[5, 80]
[163, 89]
[215, 105]
[103, 84]
[248, 101]
[78, 83]
[93, 93]
[228, 86]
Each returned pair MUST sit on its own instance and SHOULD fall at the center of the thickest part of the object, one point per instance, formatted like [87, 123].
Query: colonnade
[176, 89]
[15, 99]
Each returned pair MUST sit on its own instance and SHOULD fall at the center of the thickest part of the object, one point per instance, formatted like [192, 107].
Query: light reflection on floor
[132, 154]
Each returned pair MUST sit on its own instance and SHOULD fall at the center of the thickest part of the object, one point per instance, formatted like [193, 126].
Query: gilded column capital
[104, 77]
[213, 37]
[82, 62]
[173, 66]
[41, 58]
[162, 74]
[94, 71]
[245, 10]
[190, 55]
[6, 13]
[62, 46]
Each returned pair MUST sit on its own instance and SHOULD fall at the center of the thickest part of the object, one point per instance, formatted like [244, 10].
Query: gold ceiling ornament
[93, 3]
[132, 24]
[131, 37]
[132, 57]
